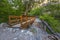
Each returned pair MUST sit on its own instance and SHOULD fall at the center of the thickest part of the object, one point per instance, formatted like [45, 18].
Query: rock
[58, 34]
[37, 20]
[53, 37]
[4, 25]
[32, 33]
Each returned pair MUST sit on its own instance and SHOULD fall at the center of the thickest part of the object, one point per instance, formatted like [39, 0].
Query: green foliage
[20, 8]
[51, 14]
[55, 25]
[53, 9]
[7, 9]
[4, 10]
[36, 12]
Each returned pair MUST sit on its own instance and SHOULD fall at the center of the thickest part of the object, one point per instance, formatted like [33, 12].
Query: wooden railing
[25, 21]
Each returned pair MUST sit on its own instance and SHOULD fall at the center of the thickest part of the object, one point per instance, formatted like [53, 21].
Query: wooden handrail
[21, 20]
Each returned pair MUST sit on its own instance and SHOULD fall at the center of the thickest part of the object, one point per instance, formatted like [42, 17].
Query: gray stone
[33, 33]
[4, 25]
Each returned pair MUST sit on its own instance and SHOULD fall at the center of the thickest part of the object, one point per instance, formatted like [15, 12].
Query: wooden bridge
[24, 21]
